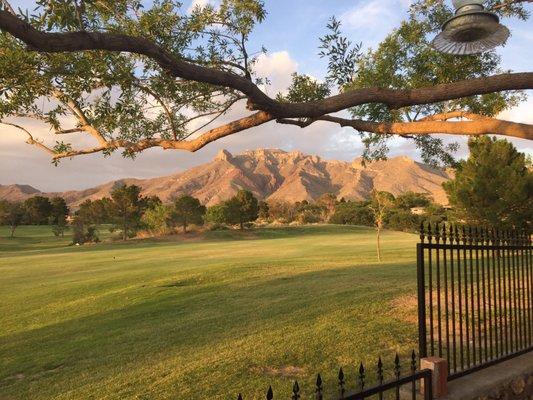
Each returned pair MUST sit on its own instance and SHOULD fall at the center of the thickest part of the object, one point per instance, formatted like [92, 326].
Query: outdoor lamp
[471, 30]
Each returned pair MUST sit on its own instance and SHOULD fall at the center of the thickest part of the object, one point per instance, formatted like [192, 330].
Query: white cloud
[522, 113]
[277, 67]
[369, 21]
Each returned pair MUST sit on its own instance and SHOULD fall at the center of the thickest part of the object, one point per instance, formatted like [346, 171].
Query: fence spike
[239, 397]
[413, 361]
[430, 232]
[422, 233]
[295, 391]
[318, 389]
[361, 376]
[397, 366]
[270, 393]
[341, 383]
[380, 371]
[437, 232]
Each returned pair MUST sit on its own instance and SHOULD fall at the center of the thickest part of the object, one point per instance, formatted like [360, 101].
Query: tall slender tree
[127, 209]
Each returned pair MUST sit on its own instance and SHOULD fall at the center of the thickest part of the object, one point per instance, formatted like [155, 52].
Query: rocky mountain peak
[273, 174]
[223, 155]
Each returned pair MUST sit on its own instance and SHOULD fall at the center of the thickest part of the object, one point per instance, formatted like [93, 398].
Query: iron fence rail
[413, 385]
[475, 295]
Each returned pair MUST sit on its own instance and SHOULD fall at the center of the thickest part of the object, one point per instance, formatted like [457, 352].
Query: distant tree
[309, 213]
[380, 205]
[217, 214]
[126, 210]
[188, 210]
[494, 186]
[263, 211]
[327, 202]
[243, 207]
[83, 233]
[157, 218]
[11, 214]
[58, 215]
[37, 210]
[282, 211]
[151, 202]
[409, 200]
[353, 213]
[96, 212]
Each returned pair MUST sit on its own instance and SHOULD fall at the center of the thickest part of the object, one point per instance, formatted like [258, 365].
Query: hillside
[271, 175]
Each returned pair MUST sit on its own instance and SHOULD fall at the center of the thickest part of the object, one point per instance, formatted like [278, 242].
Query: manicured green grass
[198, 319]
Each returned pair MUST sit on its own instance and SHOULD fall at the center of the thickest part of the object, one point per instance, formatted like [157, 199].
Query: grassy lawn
[197, 319]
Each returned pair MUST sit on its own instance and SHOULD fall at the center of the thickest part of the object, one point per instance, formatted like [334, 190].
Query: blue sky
[290, 34]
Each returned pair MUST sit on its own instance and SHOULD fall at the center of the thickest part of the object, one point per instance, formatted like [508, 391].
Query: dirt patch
[285, 371]
[406, 307]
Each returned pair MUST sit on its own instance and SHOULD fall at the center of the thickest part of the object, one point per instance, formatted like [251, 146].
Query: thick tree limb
[257, 100]
[192, 145]
[482, 126]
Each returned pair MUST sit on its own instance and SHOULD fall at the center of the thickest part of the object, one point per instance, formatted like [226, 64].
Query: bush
[82, 234]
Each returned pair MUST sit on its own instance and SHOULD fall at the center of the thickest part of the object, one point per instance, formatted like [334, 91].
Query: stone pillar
[439, 368]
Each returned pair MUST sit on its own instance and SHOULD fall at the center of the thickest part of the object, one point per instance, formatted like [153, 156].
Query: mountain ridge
[271, 174]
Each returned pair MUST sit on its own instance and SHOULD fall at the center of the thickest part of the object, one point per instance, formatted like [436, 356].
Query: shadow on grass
[183, 319]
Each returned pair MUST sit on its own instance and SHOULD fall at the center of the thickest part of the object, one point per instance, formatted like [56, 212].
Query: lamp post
[471, 30]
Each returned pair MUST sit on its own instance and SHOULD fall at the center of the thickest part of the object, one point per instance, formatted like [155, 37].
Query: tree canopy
[134, 75]
[494, 186]
[188, 210]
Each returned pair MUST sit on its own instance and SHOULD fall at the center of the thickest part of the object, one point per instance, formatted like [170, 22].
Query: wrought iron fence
[413, 385]
[475, 298]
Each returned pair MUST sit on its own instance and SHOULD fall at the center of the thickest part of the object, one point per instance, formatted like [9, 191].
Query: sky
[290, 34]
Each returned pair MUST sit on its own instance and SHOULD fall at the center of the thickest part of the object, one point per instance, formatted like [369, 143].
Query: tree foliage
[188, 210]
[134, 75]
[158, 218]
[126, 209]
[11, 214]
[494, 186]
[37, 210]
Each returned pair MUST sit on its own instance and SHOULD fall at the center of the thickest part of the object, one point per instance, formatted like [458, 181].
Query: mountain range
[270, 174]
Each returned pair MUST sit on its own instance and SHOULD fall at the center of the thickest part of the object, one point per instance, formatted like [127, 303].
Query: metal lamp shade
[471, 31]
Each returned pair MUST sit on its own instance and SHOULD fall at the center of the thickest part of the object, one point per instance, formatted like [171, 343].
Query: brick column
[439, 367]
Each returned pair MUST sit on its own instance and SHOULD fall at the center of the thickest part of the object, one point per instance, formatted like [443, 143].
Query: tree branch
[482, 126]
[510, 3]
[394, 98]
[193, 145]
[85, 124]
[30, 139]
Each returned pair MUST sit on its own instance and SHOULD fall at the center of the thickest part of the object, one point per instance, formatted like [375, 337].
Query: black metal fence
[475, 299]
[415, 384]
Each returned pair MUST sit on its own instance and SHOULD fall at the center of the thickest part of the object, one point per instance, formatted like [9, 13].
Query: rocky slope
[272, 175]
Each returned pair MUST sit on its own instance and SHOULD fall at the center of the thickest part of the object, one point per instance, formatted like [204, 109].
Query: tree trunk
[184, 226]
[378, 244]
[13, 227]
[242, 225]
